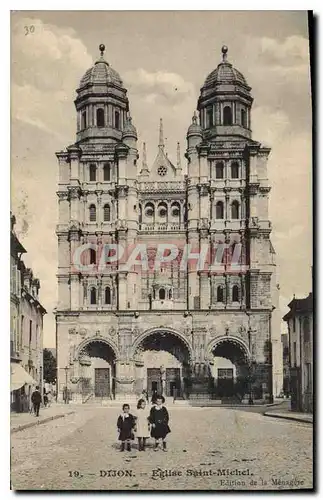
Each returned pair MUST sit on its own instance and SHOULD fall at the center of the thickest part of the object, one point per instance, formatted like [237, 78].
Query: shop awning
[19, 377]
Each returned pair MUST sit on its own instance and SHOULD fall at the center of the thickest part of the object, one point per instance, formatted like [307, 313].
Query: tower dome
[225, 73]
[101, 73]
[101, 104]
[129, 129]
[225, 102]
[194, 128]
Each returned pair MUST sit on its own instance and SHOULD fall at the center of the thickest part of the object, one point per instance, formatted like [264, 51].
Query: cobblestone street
[249, 449]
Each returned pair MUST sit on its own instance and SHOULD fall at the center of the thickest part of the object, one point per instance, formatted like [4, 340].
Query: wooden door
[173, 382]
[225, 383]
[153, 380]
[102, 382]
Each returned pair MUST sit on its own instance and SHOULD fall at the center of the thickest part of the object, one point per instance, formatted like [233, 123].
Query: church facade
[187, 331]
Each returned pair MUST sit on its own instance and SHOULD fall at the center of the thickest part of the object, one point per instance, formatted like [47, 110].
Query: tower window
[106, 213]
[92, 172]
[219, 169]
[107, 295]
[227, 115]
[107, 172]
[235, 293]
[92, 256]
[235, 210]
[83, 120]
[234, 170]
[209, 117]
[93, 295]
[243, 118]
[92, 213]
[170, 295]
[100, 117]
[219, 210]
[162, 294]
[219, 294]
[117, 120]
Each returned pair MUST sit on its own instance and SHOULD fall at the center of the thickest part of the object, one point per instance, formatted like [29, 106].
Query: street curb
[287, 417]
[39, 422]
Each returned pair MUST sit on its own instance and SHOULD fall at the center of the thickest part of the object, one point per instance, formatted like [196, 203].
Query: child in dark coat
[126, 424]
[159, 418]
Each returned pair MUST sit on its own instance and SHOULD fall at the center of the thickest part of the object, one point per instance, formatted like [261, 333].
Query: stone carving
[98, 333]
[83, 332]
[112, 331]
[72, 331]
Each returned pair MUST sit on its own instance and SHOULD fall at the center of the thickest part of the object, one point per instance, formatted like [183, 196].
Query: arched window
[175, 211]
[107, 172]
[107, 295]
[235, 293]
[92, 213]
[306, 329]
[93, 295]
[92, 172]
[219, 168]
[219, 294]
[100, 117]
[83, 120]
[149, 210]
[227, 115]
[243, 118]
[92, 256]
[162, 210]
[162, 294]
[235, 170]
[219, 211]
[117, 119]
[209, 117]
[235, 210]
[106, 213]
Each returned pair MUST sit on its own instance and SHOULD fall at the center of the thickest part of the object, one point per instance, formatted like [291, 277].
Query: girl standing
[126, 424]
[142, 424]
[159, 418]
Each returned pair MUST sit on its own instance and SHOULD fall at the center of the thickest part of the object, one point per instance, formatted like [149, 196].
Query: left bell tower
[97, 198]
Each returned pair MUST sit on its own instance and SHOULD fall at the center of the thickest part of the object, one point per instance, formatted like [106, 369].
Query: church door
[225, 382]
[153, 380]
[102, 382]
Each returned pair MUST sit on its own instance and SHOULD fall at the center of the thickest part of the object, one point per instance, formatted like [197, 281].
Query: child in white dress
[142, 424]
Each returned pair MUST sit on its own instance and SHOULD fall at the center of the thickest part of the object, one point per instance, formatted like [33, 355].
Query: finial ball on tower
[102, 48]
[224, 49]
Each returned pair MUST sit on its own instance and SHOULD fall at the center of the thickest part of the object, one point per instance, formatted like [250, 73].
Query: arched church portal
[162, 364]
[97, 369]
[230, 368]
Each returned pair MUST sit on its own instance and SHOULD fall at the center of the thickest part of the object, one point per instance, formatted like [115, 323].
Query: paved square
[208, 448]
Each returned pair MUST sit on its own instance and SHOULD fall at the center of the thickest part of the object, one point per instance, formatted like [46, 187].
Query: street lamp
[66, 392]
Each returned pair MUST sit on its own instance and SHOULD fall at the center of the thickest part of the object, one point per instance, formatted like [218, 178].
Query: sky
[163, 59]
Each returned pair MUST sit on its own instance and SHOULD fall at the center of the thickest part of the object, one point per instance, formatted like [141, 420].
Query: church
[189, 332]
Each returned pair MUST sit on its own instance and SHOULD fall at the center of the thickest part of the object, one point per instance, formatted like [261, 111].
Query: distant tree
[49, 366]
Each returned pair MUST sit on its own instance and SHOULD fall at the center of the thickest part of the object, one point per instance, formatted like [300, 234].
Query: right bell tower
[227, 200]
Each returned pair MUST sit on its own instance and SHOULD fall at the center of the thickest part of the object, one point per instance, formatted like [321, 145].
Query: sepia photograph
[161, 250]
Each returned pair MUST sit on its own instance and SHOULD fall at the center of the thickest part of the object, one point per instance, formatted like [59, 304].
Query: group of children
[147, 422]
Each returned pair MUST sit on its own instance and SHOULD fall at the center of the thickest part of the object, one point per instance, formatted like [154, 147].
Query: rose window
[162, 170]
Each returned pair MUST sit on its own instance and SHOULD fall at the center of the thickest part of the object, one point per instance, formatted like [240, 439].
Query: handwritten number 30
[29, 29]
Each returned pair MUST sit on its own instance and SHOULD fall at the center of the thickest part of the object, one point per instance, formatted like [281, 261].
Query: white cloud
[159, 86]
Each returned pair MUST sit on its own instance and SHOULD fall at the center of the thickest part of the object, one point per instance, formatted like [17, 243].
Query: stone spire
[144, 169]
[178, 158]
[161, 135]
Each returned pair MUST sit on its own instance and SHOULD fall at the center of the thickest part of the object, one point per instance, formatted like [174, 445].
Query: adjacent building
[189, 331]
[300, 329]
[26, 327]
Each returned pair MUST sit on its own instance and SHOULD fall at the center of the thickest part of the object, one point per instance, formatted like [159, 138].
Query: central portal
[162, 365]
[172, 385]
